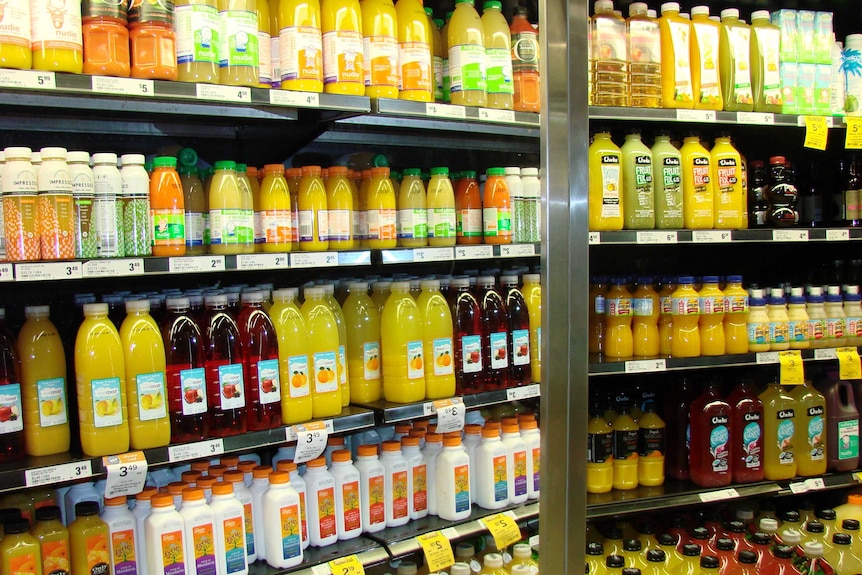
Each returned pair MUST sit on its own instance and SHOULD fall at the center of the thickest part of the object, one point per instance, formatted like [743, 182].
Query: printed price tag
[445, 111]
[6, 273]
[198, 450]
[849, 366]
[759, 118]
[853, 139]
[113, 268]
[646, 365]
[127, 473]
[792, 372]
[719, 495]
[828, 353]
[696, 115]
[261, 261]
[489, 115]
[503, 529]
[223, 93]
[290, 432]
[790, 235]
[524, 392]
[812, 484]
[310, 441]
[313, 259]
[27, 79]
[656, 237]
[57, 473]
[450, 414]
[437, 549]
[294, 99]
[123, 86]
[349, 565]
[837, 235]
[433, 254]
[763, 357]
[474, 252]
[517, 251]
[711, 236]
[196, 264]
[816, 132]
[595, 238]
[48, 271]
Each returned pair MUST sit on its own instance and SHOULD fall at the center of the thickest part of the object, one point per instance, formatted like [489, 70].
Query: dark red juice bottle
[746, 448]
[185, 372]
[225, 379]
[467, 319]
[260, 359]
[520, 371]
[495, 334]
[676, 413]
[710, 439]
[12, 425]
[762, 544]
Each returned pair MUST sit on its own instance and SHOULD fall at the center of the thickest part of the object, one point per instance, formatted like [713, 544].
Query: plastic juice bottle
[711, 322]
[196, 211]
[402, 340]
[453, 481]
[711, 437]
[198, 30]
[645, 311]
[491, 469]
[685, 331]
[598, 307]
[323, 345]
[735, 68]
[676, 84]
[55, 206]
[853, 315]
[362, 321]
[137, 227]
[735, 316]
[625, 436]
[339, 213]
[260, 360]
[468, 206]
[250, 197]
[230, 520]
[343, 65]
[320, 503]
[312, 202]
[105, 35]
[817, 329]
[380, 49]
[167, 208]
[343, 376]
[532, 291]
[89, 540]
[525, 62]
[606, 184]
[727, 181]
[498, 57]
[765, 55]
[381, 210]
[638, 200]
[243, 496]
[779, 323]
[651, 447]
[100, 374]
[779, 444]
[264, 44]
[746, 447]
[348, 517]
[697, 185]
[441, 209]
[810, 454]
[608, 71]
[836, 321]
[371, 482]
[282, 511]
[644, 57]
[226, 386]
[495, 334]
[519, 331]
[53, 538]
[198, 530]
[19, 551]
[239, 49]
[275, 210]
[758, 323]
[444, 41]
[15, 47]
[412, 211]
[467, 61]
[164, 535]
[705, 60]
[82, 197]
[123, 551]
[496, 211]
[20, 206]
[414, 52]
[438, 54]
[152, 41]
[301, 45]
[417, 477]
[798, 320]
[667, 183]
[56, 40]
[618, 321]
[229, 230]
[468, 356]
[437, 341]
[294, 179]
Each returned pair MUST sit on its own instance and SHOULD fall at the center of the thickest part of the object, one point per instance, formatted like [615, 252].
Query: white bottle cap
[730, 13]
[285, 294]
[252, 297]
[603, 6]
[36, 310]
[768, 525]
[651, 13]
[80, 157]
[796, 292]
[638, 8]
[58, 153]
[399, 286]
[700, 11]
[137, 305]
[685, 15]
[133, 159]
[176, 303]
[834, 290]
[535, 278]
[525, 172]
[853, 42]
[93, 308]
[760, 15]
[357, 286]
[512, 171]
[429, 285]
[670, 7]
[313, 292]
[776, 292]
[105, 158]
[19, 153]
[460, 569]
[216, 299]
[813, 548]
[852, 290]
[495, 560]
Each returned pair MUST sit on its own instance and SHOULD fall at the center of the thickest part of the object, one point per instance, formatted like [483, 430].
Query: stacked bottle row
[334, 46]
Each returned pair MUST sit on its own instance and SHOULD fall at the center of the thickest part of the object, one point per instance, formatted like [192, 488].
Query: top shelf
[705, 117]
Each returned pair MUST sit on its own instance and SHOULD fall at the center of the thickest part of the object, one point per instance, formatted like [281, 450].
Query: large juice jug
[56, 40]
[294, 366]
[198, 30]
[468, 206]
[196, 211]
[437, 341]
[323, 344]
[600, 442]
[758, 323]
[667, 183]
[43, 384]
[381, 210]
[230, 232]
[645, 311]
[625, 450]
[467, 67]
[519, 331]
[362, 321]
[665, 315]
[401, 338]
[167, 208]
[146, 396]
[441, 209]
[412, 211]
[842, 436]
[414, 52]
[525, 62]
[105, 35]
[100, 375]
[608, 72]
[746, 445]
[437, 54]
[765, 76]
[498, 57]
[343, 59]
[711, 322]
[705, 60]
[676, 85]
[264, 43]
[239, 50]
[685, 306]
[300, 45]
[380, 45]
[643, 38]
[726, 177]
[638, 200]
[339, 209]
[711, 435]
[275, 208]
[15, 45]
[343, 376]
[735, 67]
[651, 447]
[532, 291]
[735, 316]
[467, 322]
[606, 183]
[779, 433]
[227, 388]
[697, 185]
[260, 361]
[313, 225]
[495, 334]
[812, 434]
[618, 320]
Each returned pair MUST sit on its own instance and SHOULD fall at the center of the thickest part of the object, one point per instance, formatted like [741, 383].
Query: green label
[198, 33]
[168, 226]
[643, 175]
[848, 439]
[467, 68]
[498, 62]
[239, 41]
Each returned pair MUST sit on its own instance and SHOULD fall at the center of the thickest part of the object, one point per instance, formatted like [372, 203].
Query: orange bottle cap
[191, 476]
[163, 500]
[341, 455]
[410, 441]
[217, 470]
[490, 432]
[261, 472]
[403, 428]
[421, 424]
[473, 429]
[511, 428]
[200, 466]
[338, 171]
[277, 477]
[418, 433]
[285, 465]
[452, 441]
[146, 494]
[319, 462]
[311, 170]
[384, 172]
[229, 460]
[246, 466]
[234, 477]
[391, 446]
[367, 450]
[193, 493]
[206, 481]
[176, 488]
[274, 169]
[293, 172]
[115, 501]
[335, 441]
[529, 424]
[223, 488]
[433, 438]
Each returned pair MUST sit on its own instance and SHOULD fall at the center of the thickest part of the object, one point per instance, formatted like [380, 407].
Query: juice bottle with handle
[105, 36]
[322, 344]
[532, 291]
[437, 341]
[225, 381]
[812, 434]
[401, 338]
[260, 361]
[697, 185]
[644, 57]
[711, 322]
[467, 328]
[727, 184]
[380, 49]
[197, 25]
[15, 44]
[667, 183]
[711, 436]
[519, 331]
[362, 321]
[301, 45]
[167, 208]
[618, 321]
[735, 316]
[414, 52]
[468, 210]
[43, 384]
[412, 211]
[441, 209]
[625, 450]
[498, 57]
[685, 302]
[639, 201]
[100, 373]
[264, 44]
[437, 54]
[275, 207]
[608, 72]
[746, 446]
[734, 45]
[341, 362]
[466, 41]
[843, 430]
[676, 81]
[705, 60]
[294, 366]
[146, 396]
[525, 62]
[765, 56]
[239, 52]
[645, 311]
[606, 183]
[343, 59]
[339, 209]
[651, 447]
[600, 442]
[381, 213]
[313, 225]
[779, 433]
[496, 208]
[57, 41]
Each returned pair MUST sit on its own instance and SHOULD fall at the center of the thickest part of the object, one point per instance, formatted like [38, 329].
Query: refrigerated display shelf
[703, 116]
[666, 237]
[315, 559]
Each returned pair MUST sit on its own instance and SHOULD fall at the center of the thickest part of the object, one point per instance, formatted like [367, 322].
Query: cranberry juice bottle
[746, 447]
[518, 318]
[185, 372]
[225, 379]
[260, 359]
[467, 319]
[495, 334]
[676, 414]
[710, 439]
[11, 421]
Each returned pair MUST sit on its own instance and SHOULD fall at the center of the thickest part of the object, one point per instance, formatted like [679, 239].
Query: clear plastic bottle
[798, 320]
[467, 66]
[608, 70]
[198, 29]
[348, 516]
[644, 57]
[108, 218]
[225, 382]
[498, 57]
[853, 315]
[817, 329]
[239, 52]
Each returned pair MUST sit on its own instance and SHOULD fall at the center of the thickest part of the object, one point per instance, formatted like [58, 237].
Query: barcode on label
[837, 235]
[57, 473]
[523, 392]
[300, 99]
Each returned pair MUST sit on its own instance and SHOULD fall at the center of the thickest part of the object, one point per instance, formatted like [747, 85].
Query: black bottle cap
[16, 526]
[749, 557]
[632, 545]
[850, 524]
[668, 539]
[826, 514]
[814, 527]
[784, 552]
[700, 533]
[709, 562]
[595, 549]
[841, 539]
[725, 544]
[86, 508]
[656, 556]
[761, 539]
[615, 561]
[49, 513]
[691, 550]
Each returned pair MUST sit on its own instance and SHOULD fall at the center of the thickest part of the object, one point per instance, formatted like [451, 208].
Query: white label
[311, 441]
[790, 235]
[415, 356]
[517, 251]
[828, 353]
[646, 365]
[767, 357]
[299, 385]
[450, 414]
[268, 381]
[489, 115]
[371, 360]
[57, 473]
[123, 86]
[126, 474]
[197, 450]
[6, 274]
[313, 259]
[656, 237]
[223, 93]
[719, 495]
[27, 79]
[113, 268]
[294, 99]
[474, 252]
[51, 401]
[595, 238]
[194, 264]
[193, 387]
[711, 236]
[523, 392]
[759, 118]
[231, 381]
[812, 484]
[343, 57]
[446, 111]
[695, 115]
[48, 271]
[261, 261]
[151, 396]
[837, 235]
[433, 254]
[442, 356]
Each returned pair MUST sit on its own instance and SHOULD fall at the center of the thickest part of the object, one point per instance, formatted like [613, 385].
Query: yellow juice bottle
[466, 41]
[56, 40]
[765, 75]
[437, 336]
[711, 322]
[313, 226]
[19, 551]
[685, 309]
[414, 52]
[340, 208]
[645, 307]
[532, 291]
[727, 184]
[343, 59]
[89, 540]
[608, 65]
[734, 46]
[380, 210]
[500, 84]
[811, 434]
[300, 45]
[441, 209]
[401, 339]
[275, 210]
[15, 45]
[53, 538]
[100, 383]
[144, 357]
[250, 207]
[665, 316]
[322, 341]
[380, 45]
[651, 447]
[363, 344]
[264, 44]
[293, 361]
[625, 451]
[639, 198]
[412, 213]
[341, 356]
[253, 184]
[705, 60]
[697, 185]
[606, 197]
[444, 40]
[779, 433]
[438, 51]
[676, 86]
[230, 232]
[735, 316]
[275, 43]
[43, 384]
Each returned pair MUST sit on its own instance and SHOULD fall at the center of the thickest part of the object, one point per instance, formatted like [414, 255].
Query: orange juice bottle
[249, 191]
[727, 184]
[496, 208]
[711, 322]
[414, 52]
[438, 51]
[300, 45]
[53, 540]
[19, 551]
[275, 210]
[264, 44]
[606, 182]
[811, 438]
[229, 229]
[735, 316]
[441, 209]
[15, 44]
[380, 45]
[697, 185]
[322, 341]
[665, 316]
[401, 337]
[765, 65]
[676, 82]
[57, 41]
[598, 291]
[293, 362]
[437, 329]
[685, 308]
[525, 62]
[89, 540]
[466, 41]
[100, 373]
[341, 360]
[381, 213]
[313, 226]
[532, 291]
[43, 384]
[618, 320]
[645, 308]
[340, 208]
[167, 208]
[363, 344]
[498, 56]
[600, 470]
[626, 436]
[705, 60]
[343, 59]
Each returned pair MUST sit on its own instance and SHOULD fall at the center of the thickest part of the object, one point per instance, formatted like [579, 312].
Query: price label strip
[853, 137]
[349, 565]
[57, 473]
[311, 441]
[123, 86]
[48, 271]
[198, 450]
[127, 473]
[792, 372]
[503, 529]
[437, 549]
[27, 79]
[849, 366]
[113, 268]
[450, 414]
[816, 132]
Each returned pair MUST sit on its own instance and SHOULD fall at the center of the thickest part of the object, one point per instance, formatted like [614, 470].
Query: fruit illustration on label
[373, 363]
[416, 362]
[298, 379]
[230, 391]
[192, 395]
[474, 357]
[107, 407]
[522, 351]
[7, 413]
[51, 407]
[500, 354]
[444, 359]
[325, 374]
[268, 386]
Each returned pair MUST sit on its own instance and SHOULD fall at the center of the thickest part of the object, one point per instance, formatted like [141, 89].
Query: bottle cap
[409, 441]
[493, 560]
[668, 539]
[53, 153]
[596, 549]
[103, 158]
[813, 548]
[497, 171]
[16, 526]
[826, 515]
[691, 550]
[841, 539]
[341, 456]
[222, 488]
[725, 544]
[700, 11]
[261, 472]
[631, 571]
[78, 157]
[138, 306]
[319, 462]
[851, 524]
[768, 524]
[656, 556]
[734, 13]
[615, 561]
[234, 476]
[783, 552]
[225, 165]
[162, 162]
[814, 527]
[760, 15]
[193, 494]
[442, 171]
[632, 545]
[747, 557]
[760, 538]
[709, 562]
[450, 441]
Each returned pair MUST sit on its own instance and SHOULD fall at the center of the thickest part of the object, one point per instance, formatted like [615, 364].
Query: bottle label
[644, 43]
[194, 229]
[501, 487]
[173, 554]
[124, 551]
[231, 227]
[382, 224]
[264, 65]
[499, 342]
[141, 11]
[98, 558]
[525, 52]
[711, 305]
[719, 450]
[342, 365]
[611, 185]
[784, 436]
[497, 222]
[85, 238]
[816, 329]
[779, 332]
[685, 305]
[617, 307]
[651, 442]
[441, 222]
[259, 235]
[768, 44]
[848, 439]
[268, 381]
[835, 327]
[728, 177]
[301, 53]
[642, 306]
[55, 557]
[291, 541]
[249, 528]
[468, 223]
[197, 32]
[294, 225]
[442, 355]
[16, 25]
[519, 460]
[107, 402]
[740, 38]
[816, 447]
[446, 80]
[297, 367]
[168, 227]
[643, 187]
[107, 219]
[193, 385]
[381, 61]
[376, 505]
[467, 68]
[462, 488]
[343, 57]
[416, 70]
[399, 494]
[325, 372]
[671, 194]
[306, 226]
[275, 58]
[52, 401]
[537, 459]
[360, 225]
[24, 564]
[371, 360]
[707, 41]
[700, 174]
[471, 354]
[415, 363]
[854, 326]
[275, 225]
[539, 343]
[680, 40]
[851, 205]
[151, 396]
[797, 331]
[498, 66]
[412, 223]
[752, 440]
[437, 65]
[232, 386]
[759, 332]
[204, 549]
[57, 25]
[736, 304]
[521, 347]
[238, 40]
[600, 447]
[340, 224]
[420, 491]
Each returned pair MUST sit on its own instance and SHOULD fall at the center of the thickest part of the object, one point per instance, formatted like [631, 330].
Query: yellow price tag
[853, 139]
[503, 529]
[816, 132]
[791, 367]
[438, 550]
[849, 365]
[349, 565]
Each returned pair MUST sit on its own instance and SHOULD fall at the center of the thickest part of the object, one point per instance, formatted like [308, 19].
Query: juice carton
[805, 36]
[805, 89]
[786, 22]
[823, 37]
[823, 89]
[789, 72]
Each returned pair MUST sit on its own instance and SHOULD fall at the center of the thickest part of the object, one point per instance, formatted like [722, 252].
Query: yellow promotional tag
[349, 565]
[503, 529]
[438, 551]
[791, 367]
[853, 139]
[816, 132]
[849, 366]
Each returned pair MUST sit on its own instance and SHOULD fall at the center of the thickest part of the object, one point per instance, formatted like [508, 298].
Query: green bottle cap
[188, 157]
[380, 161]
[165, 162]
[429, 11]
[148, 166]
[469, 174]
[188, 171]
[492, 4]
[413, 172]
[496, 172]
[470, 2]
[438, 22]
[241, 168]
[225, 165]
[439, 171]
